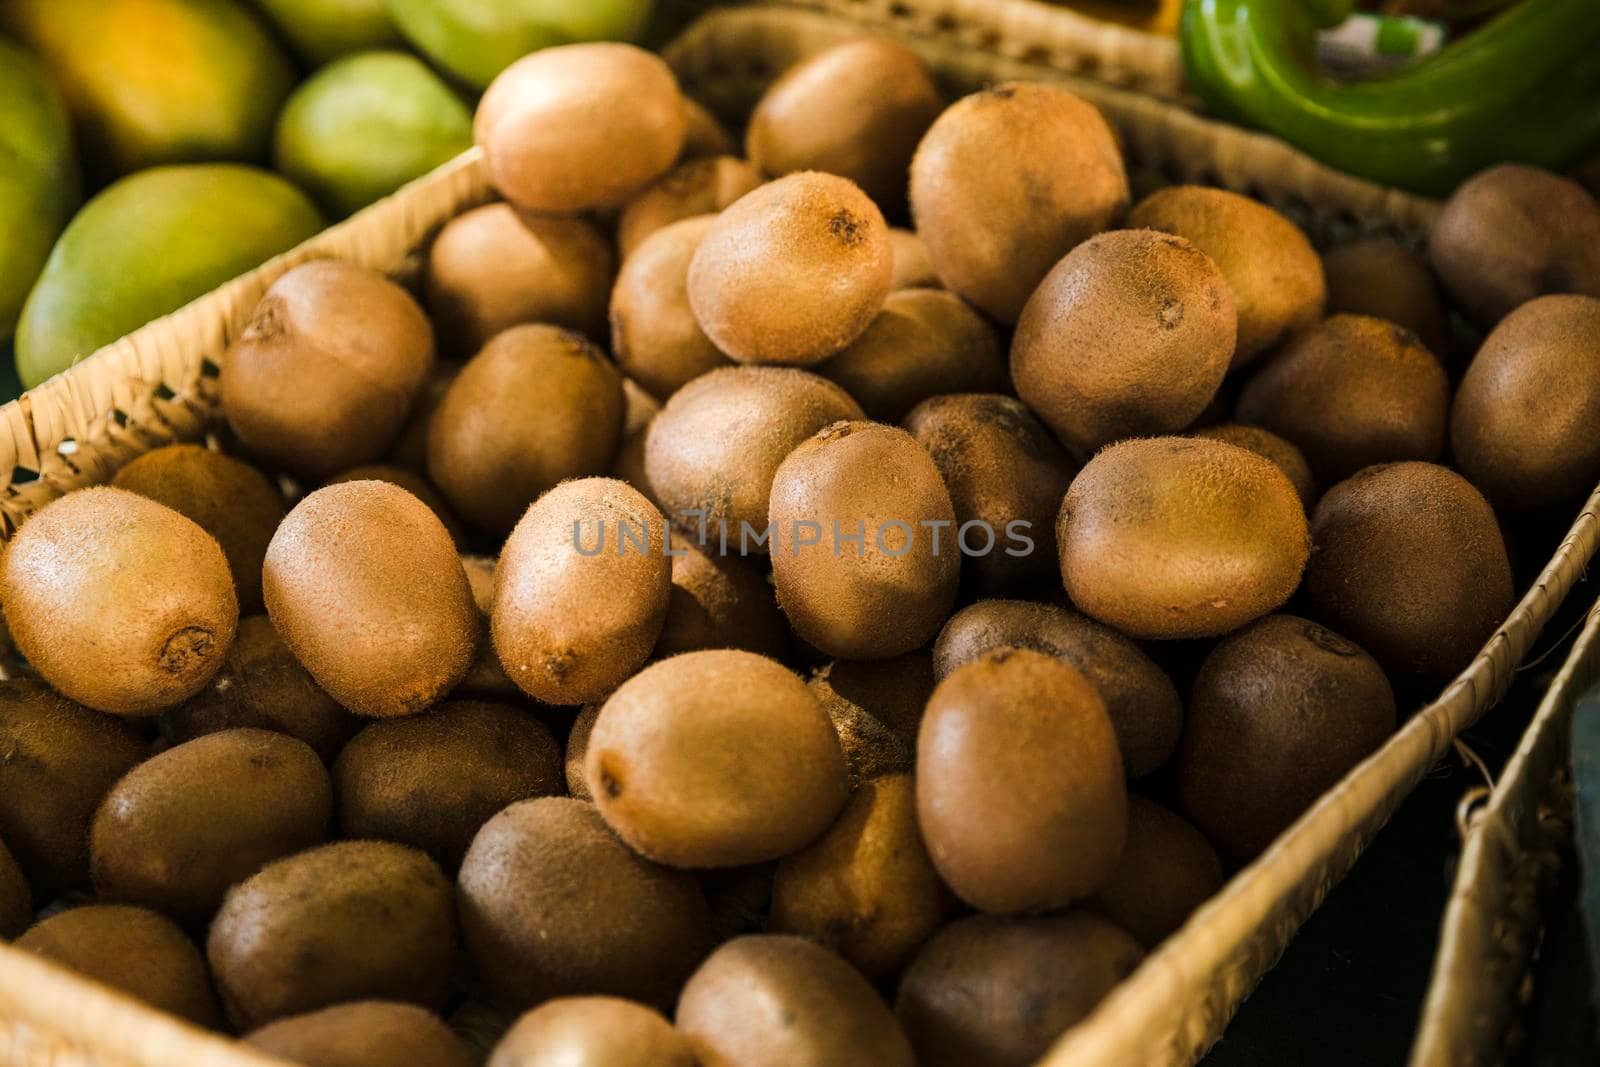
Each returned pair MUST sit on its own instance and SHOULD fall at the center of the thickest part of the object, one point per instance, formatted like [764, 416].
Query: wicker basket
[157, 386]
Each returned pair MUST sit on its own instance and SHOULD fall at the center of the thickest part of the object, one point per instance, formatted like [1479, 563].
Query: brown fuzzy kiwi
[1167, 537]
[1001, 991]
[793, 271]
[16, 898]
[654, 335]
[412, 482]
[866, 888]
[1145, 709]
[327, 368]
[640, 410]
[698, 186]
[856, 109]
[776, 1001]
[890, 591]
[1130, 334]
[592, 1030]
[713, 450]
[117, 601]
[348, 921]
[1270, 267]
[715, 759]
[1522, 424]
[995, 231]
[719, 601]
[364, 1033]
[876, 707]
[1279, 713]
[1350, 392]
[430, 781]
[186, 824]
[580, 126]
[1002, 469]
[925, 342]
[1408, 561]
[913, 265]
[1168, 870]
[134, 951]
[1007, 831]
[553, 904]
[363, 583]
[1385, 279]
[581, 591]
[703, 134]
[229, 499]
[1268, 445]
[577, 752]
[489, 458]
[1514, 232]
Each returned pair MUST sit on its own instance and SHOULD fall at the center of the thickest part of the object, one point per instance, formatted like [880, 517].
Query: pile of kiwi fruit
[439, 708]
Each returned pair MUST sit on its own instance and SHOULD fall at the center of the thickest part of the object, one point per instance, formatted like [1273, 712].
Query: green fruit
[146, 246]
[321, 30]
[363, 126]
[477, 39]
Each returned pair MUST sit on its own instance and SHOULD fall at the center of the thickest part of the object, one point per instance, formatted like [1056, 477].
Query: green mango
[364, 125]
[146, 246]
[321, 30]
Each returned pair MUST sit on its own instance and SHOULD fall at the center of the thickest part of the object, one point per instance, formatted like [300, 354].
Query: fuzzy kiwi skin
[226, 497]
[1523, 420]
[697, 186]
[1268, 445]
[793, 271]
[1270, 267]
[134, 951]
[363, 583]
[364, 1033]
[654, 335]
[327, 369]
[16, 898]
[995, 232]
[1001, 466]
[1409, 562]
[1279, 713]
[577, 752]
[1350, 392]
[778, 1001]
[1226, 524]
[925, 342]
[719, 601]
[430, 781]
[1168, 870]
[117, 601]
[999, 992]
[606, 1031]
[569, 627]
[410, 448]
[353, 920]
[1145, 709]
[554, 904]
[495, 267]
[876, 707]
[412, 482]
[1386, 280]
[1131, 333]
[913, 265]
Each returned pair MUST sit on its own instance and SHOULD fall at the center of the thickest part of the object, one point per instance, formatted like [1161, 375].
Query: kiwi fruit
[873, 582]
[999, 992]
[1520, 427]
[16, 898]
[1269, 445]
[1385, 279]
[581, 591]
[1170, 537]
[925, 342]
[1270, 267]
[654, 335]
[412, 482]
[430, 781]
[364, 1033]
[703, 134]
[1008, 832]
[327, 369]
[913, 264]
[495, 267]
[1350, 392]
[876, 707]
[640, 410]
[577, 752]
[363, 583]
[1130, 334]
[134, 951]
[553, 904]
[1168, 870]
[354, 920]
[715, 759]
[608, 1031]
[1279, 713]
[994, 232]
[703, 185]
[1408, 562]
[186, 824]
[1512, 233]
[856, 109]
[582, 126]
[117, 601]
[1005, 472]
[225, 497]
[719, 601]
[778, 1001]
[1145, 709]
